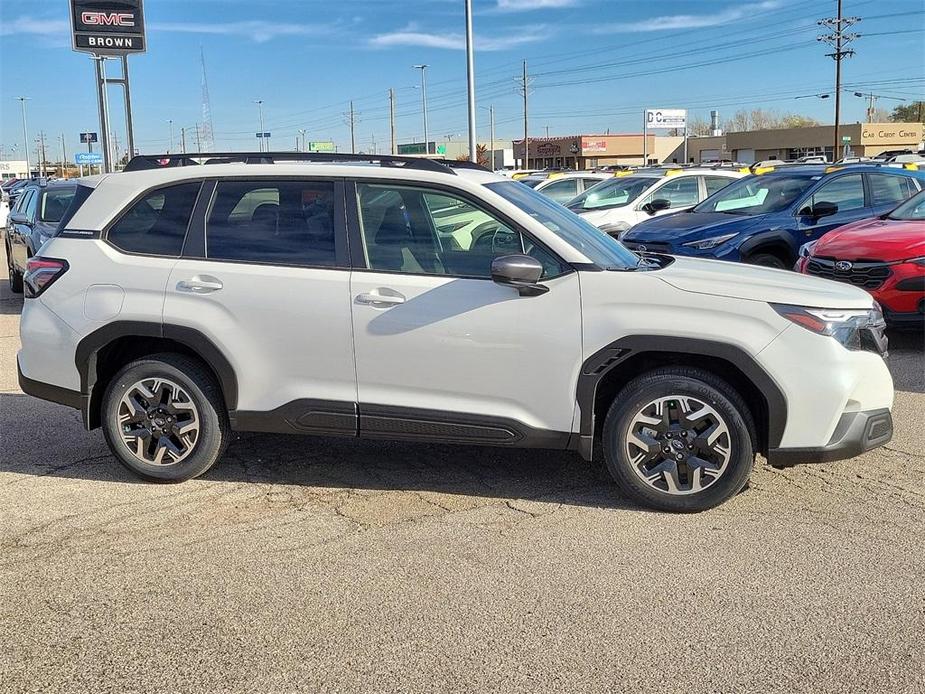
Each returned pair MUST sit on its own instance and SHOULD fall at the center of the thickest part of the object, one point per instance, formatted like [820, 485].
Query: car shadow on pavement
[323, 463]
[907, 360]
[10, 304]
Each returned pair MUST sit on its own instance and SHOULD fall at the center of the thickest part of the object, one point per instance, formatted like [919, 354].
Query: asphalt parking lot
[304, 564]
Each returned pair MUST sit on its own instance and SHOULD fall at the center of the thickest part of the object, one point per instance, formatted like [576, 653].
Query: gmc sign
[108, 27]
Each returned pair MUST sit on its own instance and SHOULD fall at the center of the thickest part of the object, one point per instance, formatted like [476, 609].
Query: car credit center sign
[108, 27]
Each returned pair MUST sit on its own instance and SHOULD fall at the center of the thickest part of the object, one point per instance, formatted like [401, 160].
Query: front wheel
[679, 439]
[766, 260]
[164, 418]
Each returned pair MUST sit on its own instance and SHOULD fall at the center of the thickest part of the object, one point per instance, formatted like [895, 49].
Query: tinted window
[887, 190]
[754, 195]
[561, 191]
[419, 231]
[715, 183]
[681, 192]
[55, 203]
[280, 222]
[22, 201]
[156, 224]
[612, 192]
[913, 208]
[31, 205]
[847, 192]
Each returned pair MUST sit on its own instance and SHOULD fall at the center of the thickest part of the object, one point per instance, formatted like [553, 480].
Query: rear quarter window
[157, 223]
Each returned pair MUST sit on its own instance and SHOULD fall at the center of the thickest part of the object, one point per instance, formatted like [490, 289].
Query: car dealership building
[589, 151]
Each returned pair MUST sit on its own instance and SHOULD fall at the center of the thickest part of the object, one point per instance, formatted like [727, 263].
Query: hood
[874, 239]
[605, 216]
[696, 225]
[740, 281]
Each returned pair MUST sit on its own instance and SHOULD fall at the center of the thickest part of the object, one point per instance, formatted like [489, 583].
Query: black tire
[191, 375]
[710, 389]
[15, 277]
[767, 260]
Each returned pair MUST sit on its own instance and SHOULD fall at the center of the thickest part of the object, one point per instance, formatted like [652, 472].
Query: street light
[170, 126]
[470, 75]
[260, 137]
[491, 132]
[872, 99]
[812, 96]
[423, 69]
[25, 133]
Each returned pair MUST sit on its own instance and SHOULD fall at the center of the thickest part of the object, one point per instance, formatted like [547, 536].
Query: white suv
[179, 302]
[622, 201]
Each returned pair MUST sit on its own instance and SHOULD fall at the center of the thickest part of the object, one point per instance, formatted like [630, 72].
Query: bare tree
[698, 126]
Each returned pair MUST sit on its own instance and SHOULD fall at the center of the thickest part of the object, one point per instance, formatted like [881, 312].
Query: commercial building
[13, 169]
[858, 139]
[589, 151]
[458, 149]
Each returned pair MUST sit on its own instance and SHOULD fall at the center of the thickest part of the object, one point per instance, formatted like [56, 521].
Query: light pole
[260, 137]
[470, 74]
[423, 69]
[25, 133]
[491, 135]
[871, 100]
[302, 145]
[170, 126]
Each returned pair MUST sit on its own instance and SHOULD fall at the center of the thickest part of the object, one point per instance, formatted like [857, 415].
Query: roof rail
[145, 162]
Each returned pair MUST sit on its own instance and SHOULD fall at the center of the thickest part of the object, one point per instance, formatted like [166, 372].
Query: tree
[698, 127]
[761, 119]
[795, 120]
[880, 115]
[909, 113]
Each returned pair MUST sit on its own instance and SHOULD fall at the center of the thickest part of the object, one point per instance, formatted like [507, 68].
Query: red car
[884, 255]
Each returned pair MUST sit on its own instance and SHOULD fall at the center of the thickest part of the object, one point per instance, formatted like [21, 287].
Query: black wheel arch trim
[89, 347]
[774, 239]
[599, 364]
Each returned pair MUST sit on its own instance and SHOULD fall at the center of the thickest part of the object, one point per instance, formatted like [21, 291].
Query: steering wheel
[500, 241]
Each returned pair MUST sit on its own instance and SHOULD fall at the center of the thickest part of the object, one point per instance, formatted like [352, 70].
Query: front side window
[31, 205]
[846, 192]
[156, 224]
[611, 193]
[758, 194]
[420, 231]
[562, 190]
[279, 222]
[886, 190]
[680, 192]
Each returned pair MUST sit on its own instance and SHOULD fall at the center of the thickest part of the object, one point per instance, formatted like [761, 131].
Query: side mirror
[656, 205]
[820, 209]
[520, 272]
[19, 218]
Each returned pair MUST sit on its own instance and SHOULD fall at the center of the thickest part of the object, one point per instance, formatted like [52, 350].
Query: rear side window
[847, 192]
[55, 203]
[887, 190]
[80, 196]
[156, 224]
[715, 183]
[279, 222]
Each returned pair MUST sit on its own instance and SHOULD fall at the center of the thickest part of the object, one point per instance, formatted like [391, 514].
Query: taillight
[41, 274]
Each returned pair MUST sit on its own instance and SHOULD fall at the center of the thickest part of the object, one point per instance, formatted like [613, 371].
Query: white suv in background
[619, 203]
[179, 302]
[562, 186]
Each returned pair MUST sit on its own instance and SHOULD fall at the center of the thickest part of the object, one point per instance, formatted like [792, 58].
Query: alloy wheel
[158, 421]
[678, 444]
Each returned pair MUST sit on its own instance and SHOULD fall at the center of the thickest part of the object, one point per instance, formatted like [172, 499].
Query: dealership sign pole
[109, 29]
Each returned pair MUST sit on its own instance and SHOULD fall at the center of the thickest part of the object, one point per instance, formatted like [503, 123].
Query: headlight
[615, 229]
[806, 249]
[858, 329]
[712, 242]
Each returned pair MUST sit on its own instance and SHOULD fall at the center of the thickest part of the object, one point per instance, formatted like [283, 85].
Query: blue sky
[595, 65]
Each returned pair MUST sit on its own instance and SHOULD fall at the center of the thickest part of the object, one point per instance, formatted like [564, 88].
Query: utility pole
[63, 156]
[351, 119]
[41, 153]
[25, 133]
[525, 87]
[470, 74]
[491, 134]
[838, 39]
[300, 146]
[115, 148]
[392, 120]
[183, 140]
[260, 138]
[423, 69]
[170, 125]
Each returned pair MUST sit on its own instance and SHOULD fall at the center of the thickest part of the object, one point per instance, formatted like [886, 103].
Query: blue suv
[763, 219]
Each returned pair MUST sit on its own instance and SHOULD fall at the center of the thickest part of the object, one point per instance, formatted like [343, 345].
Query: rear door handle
[374, 298]
[200, 284]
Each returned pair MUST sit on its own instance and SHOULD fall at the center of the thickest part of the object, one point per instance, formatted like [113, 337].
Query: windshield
[758, 195]
[56, 202]
[612, 192]
[600, 248]
[912, 209]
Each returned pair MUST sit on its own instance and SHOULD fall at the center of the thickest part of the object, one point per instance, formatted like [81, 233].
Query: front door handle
[200, 284]
[374, 298]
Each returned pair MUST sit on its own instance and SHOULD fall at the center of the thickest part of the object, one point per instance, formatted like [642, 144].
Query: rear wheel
[14, 275]
[679, 439]
[164, 418]
[767, 260]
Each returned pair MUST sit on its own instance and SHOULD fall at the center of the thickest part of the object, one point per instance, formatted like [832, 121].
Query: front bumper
[856, 433]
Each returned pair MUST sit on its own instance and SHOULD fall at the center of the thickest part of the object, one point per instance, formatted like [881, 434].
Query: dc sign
[108, 27]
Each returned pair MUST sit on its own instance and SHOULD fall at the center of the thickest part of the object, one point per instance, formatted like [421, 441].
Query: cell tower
[206, 132]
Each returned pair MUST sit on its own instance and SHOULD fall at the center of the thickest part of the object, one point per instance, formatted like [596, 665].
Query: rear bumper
[52, 393]
[856, 433]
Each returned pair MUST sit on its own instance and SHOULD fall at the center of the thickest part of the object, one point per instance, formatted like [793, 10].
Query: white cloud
[33, 25]
[412, 36]
[690, 21]
[527, 5]
[256, 30]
